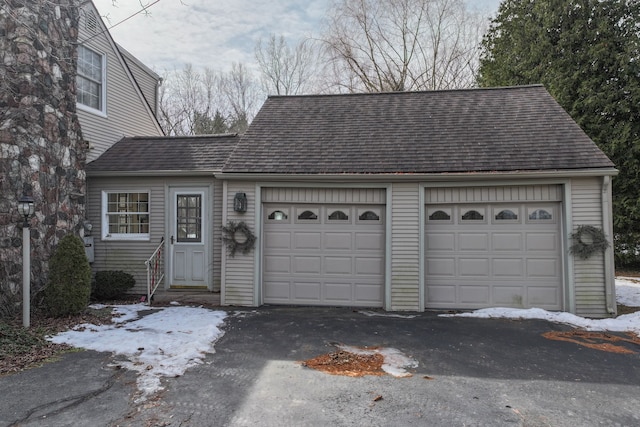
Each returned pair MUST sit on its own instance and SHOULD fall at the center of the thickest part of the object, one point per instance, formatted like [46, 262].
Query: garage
[494, 247]
[323, 253]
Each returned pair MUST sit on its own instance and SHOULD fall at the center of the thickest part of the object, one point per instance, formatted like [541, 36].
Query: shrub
[69, 284]
[111, 284]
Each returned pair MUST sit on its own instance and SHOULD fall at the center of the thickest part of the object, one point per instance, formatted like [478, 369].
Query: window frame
[448, 210]
[330, 210]
[547, 208]
[106, 235]
[102, 111]
[480, 209]
[299, 210]
[498, 209]
[361, 210]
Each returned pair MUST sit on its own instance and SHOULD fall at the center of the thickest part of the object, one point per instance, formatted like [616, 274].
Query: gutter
[433, 177]
[155, 173]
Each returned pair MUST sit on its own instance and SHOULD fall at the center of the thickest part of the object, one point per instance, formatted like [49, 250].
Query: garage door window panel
[369, 216]
[278, 215]
[307, 215]
[440, 215]
[475, 215]
[506, 215]
[544, 214]
[338, 215]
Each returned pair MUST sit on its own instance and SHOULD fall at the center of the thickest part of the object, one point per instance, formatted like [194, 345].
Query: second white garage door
[493, 255]
[323, 254]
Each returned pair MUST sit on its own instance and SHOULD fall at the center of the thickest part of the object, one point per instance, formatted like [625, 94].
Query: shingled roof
[205, 153]
[476, 130]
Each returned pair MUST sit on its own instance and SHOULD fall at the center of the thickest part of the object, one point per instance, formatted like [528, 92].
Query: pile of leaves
[348, 364]
[628, 343]
[22, 348]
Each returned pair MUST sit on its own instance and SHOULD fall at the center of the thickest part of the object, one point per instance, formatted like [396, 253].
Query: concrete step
[186, 297]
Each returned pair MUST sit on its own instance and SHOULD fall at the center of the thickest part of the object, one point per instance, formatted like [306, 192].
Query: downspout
[607, 225]
[157, 106]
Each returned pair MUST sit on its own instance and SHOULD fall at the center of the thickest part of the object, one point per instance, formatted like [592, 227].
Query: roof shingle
[476, 130]
[146, 154]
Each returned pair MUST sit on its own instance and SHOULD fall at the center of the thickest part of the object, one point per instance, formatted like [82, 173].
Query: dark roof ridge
[174, 137]
[470, 89]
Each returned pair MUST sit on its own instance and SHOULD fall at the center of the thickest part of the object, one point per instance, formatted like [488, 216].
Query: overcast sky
[214, 33]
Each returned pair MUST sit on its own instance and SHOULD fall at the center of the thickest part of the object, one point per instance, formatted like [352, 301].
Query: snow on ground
[627, 293]
[395, 363]
[166, 341]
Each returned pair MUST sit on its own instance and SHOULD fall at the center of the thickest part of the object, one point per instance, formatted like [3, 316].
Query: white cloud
[215, 34]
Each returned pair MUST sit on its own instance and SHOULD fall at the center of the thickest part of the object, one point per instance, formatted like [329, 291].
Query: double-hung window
[90, 80]
[125, 215]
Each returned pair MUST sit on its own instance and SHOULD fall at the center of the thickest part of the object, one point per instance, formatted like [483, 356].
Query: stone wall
[41, 148]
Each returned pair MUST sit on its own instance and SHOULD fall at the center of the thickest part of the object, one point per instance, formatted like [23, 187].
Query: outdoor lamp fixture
[26, 209]
[240, 202]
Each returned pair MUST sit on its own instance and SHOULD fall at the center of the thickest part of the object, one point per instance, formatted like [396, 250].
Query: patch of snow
[374, 314]
[164, 343]
[627, 291]
[395, 363]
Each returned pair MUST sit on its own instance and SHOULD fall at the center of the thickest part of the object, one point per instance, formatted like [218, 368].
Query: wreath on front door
[588, 240]
[238, 237]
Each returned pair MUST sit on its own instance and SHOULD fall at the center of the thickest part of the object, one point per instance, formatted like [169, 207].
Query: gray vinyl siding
[505, 193]
[217, 234]
[589, 274]
[128, 256]
[405, 252]
[147, 80]
[369, 196]
[126, 112]
[239, 271]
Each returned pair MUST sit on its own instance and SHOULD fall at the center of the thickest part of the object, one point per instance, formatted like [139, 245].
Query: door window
[189, 218]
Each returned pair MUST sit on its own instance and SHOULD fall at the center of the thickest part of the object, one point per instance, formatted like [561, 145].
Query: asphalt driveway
[470, 372]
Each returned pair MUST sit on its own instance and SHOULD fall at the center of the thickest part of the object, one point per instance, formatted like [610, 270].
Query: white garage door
[493, 255]
[323, 254]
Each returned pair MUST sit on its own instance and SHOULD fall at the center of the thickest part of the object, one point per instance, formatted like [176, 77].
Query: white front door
[189, 238]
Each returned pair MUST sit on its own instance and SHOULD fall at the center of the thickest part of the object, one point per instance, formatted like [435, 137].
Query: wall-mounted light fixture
[240, 202]
[26, 209]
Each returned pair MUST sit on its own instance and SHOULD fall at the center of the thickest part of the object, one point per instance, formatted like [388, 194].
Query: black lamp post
[26, 209]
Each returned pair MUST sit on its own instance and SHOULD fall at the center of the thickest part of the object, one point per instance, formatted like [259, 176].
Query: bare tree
[186, 97]
[241, 95]
[201, 102]
[401, 45]
[285, 70]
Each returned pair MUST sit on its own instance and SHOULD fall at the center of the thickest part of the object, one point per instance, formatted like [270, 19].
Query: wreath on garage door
[238, 237]
[588, 240]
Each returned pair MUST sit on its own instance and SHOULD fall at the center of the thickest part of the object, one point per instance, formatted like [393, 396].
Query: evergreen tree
[587, 54]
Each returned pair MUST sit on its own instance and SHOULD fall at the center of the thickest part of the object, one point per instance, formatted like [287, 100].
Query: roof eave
[151, 173]
[447, 176]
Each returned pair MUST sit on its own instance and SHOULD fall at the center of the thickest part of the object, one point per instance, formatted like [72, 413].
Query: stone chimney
[42, 153]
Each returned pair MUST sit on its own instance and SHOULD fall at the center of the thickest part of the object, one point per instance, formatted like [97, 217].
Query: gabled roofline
[123, 62]
[355, 94]
[434, 177]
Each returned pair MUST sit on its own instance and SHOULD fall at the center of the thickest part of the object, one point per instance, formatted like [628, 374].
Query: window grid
[89, 78]
[189, 218]
[128, 213]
